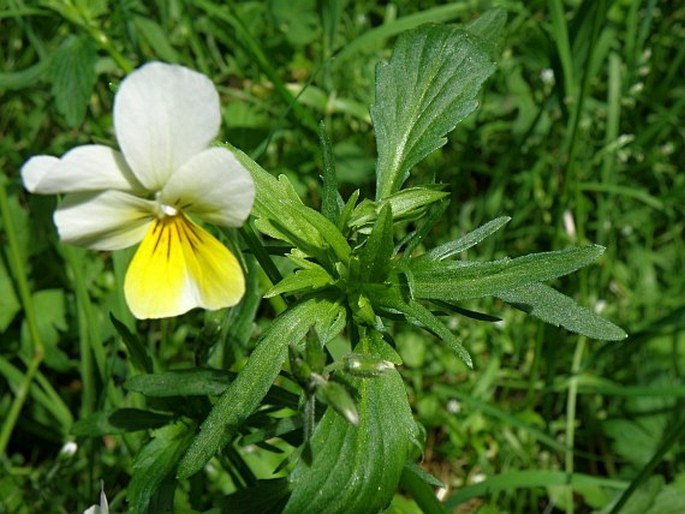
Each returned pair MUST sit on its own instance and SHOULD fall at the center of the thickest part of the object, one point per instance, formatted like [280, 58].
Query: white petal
[34, 170]
[214, 186]
[84, 168]
[108, 220]
[163, 115]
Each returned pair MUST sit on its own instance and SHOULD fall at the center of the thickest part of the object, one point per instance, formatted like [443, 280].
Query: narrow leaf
[558, 309]
[243, 395]
[453, 281]
[301, 281]
[336, 396]
[119, 421]
[347, 210]
[156, 37]
[429, 85]
[528, 479]
[9, 303]
[140, 358]
[415, 482]
[413, 239]
[186, 382]
[420, 315]
[331, 202]
[467, 240]
[28, 77]
[408, 204]
[422, 474]
[481, 316]
[376, 253]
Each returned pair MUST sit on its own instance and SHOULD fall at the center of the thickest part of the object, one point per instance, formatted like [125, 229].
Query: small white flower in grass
[165, 117]
[68, 450]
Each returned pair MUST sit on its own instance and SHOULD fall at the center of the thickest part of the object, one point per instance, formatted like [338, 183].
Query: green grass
[546, 418]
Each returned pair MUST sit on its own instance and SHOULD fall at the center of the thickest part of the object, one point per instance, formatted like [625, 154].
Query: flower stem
[571, 416]
[89, 339]
[17, 267]
[272, 273]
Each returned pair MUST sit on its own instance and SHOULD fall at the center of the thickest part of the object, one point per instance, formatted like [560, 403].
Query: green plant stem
[571, 417]
[77, 16]
[120, 261]
[570, 147]
[612, 132]
[534, 373]
[272, 274]
[556, 9]
[106, 44]
[41, 391]
[17, 267]
[89, 339]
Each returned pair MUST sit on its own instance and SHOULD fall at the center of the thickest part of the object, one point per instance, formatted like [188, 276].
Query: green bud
[362, 309]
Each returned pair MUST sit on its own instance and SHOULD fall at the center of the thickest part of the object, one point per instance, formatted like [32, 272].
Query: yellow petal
[179, 266]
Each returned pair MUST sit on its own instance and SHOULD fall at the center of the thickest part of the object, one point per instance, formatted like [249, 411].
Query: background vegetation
[578, 138]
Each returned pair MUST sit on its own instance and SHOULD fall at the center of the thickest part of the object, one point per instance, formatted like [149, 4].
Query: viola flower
[103, 508]
[165, 176]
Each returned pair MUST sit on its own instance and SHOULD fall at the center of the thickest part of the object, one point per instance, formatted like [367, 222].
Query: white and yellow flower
[165, 117]
[103, 508]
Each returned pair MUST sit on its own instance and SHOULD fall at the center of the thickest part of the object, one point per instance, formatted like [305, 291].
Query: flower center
[167, 210]
[164, 210]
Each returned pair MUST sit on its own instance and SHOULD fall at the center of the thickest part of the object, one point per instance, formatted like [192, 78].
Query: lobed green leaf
[429, 85]
[489, 26]
[356, 469]
[73, 77]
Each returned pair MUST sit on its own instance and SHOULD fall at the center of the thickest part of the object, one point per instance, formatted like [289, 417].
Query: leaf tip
[466, 356]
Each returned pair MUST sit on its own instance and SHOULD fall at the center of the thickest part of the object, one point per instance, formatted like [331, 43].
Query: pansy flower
[165, 178]
[103, 508]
